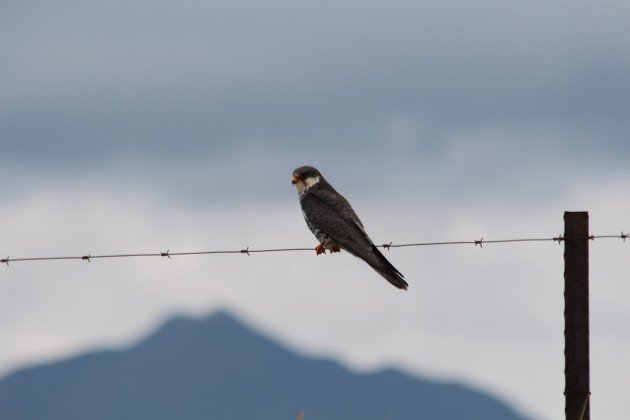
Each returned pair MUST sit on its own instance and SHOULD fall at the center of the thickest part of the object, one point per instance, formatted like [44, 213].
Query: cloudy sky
[146, 126]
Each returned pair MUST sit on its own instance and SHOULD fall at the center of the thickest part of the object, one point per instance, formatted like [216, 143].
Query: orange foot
[319, 249]
[335, 248]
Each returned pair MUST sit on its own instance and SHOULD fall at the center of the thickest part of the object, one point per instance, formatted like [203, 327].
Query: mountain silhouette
[217, 368]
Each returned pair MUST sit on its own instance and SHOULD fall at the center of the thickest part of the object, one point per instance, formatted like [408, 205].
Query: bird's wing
[339, 205]
[332, 214]
[329, 212]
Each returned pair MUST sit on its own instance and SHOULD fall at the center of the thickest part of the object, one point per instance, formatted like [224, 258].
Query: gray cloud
[96, 82]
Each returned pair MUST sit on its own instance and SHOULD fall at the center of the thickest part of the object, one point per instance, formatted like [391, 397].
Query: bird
[335, 224]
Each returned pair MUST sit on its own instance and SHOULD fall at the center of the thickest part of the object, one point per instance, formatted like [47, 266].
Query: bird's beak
[296, 179]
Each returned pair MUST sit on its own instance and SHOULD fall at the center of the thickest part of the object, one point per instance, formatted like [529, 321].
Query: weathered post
[576, 316]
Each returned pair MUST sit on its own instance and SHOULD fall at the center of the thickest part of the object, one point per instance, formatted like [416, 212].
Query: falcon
[335, 224]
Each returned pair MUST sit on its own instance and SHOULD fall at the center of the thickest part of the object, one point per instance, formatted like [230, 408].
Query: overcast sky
[146, 126]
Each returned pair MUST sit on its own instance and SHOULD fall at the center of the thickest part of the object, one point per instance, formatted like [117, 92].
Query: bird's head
[305, 177]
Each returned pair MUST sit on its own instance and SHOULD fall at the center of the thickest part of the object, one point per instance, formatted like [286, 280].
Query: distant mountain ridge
[216, 368]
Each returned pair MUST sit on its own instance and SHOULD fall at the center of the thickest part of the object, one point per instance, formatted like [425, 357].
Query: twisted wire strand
[247, 251]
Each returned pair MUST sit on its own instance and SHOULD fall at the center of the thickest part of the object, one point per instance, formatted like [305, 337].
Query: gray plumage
[335, 224]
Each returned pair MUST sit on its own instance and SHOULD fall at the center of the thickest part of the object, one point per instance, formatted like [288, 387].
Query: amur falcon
[336, 226]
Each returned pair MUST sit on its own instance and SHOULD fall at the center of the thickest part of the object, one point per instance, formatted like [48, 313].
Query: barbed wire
[247, 251]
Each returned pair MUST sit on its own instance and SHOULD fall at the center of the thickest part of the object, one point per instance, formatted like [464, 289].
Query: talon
[319, 249]
[335, 248]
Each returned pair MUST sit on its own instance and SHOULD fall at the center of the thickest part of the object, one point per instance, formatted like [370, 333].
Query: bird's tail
[387, 270]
